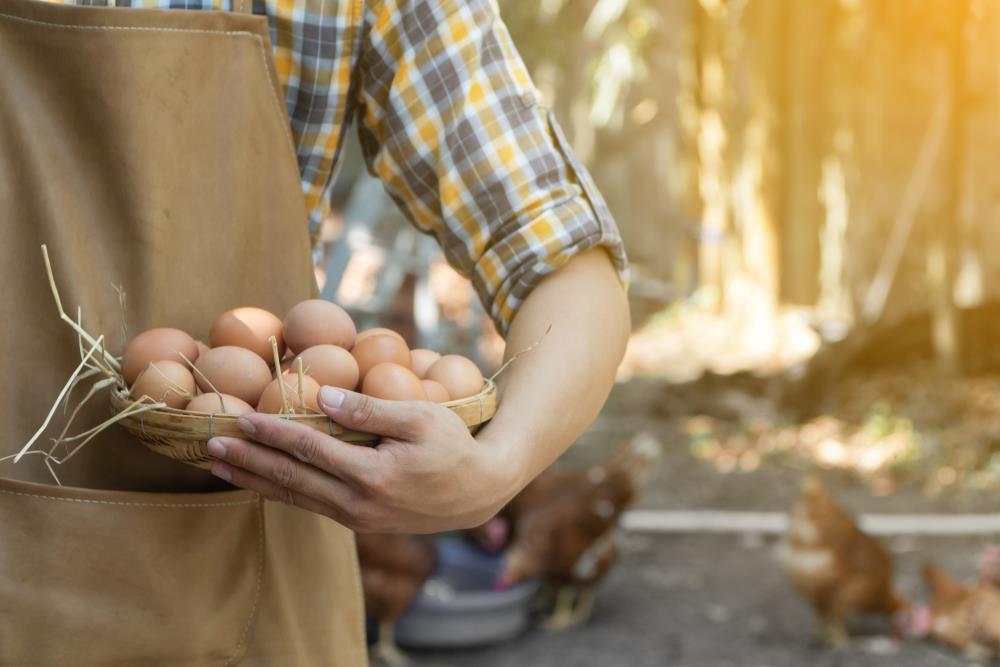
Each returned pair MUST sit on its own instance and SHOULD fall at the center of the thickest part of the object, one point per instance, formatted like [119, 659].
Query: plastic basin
[458, 607]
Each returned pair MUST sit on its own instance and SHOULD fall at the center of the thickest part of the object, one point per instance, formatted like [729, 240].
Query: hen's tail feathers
[638, 457]
[940, 584]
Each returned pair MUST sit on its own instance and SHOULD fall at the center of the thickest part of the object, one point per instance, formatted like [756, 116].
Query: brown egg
[250, 328]
[202, 348]
[164, 381]
[330, 365]
[378, 331]
[270, 400]
[378, 349]
[421, 360]
[459, 376]
[318, 322]
[156, 345]
[209, 403]
[436, 393]
[235, 371]
[394, 383]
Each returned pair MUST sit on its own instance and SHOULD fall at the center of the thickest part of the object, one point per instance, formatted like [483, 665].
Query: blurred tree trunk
[866, 231]
[805, 39]
[687, 273]
[842, 185]
[712, 139]
[760, 188]
[838, 169]
[944, 241]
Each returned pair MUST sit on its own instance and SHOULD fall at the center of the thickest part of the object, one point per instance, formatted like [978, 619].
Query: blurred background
[807, 195]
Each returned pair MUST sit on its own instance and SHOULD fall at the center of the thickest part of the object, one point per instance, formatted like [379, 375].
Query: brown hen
[964, 617]
[498, 532]
[562, 527]
[394, 568]
[839, 569]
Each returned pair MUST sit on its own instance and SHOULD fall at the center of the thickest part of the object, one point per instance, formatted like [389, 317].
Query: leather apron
[149, 149]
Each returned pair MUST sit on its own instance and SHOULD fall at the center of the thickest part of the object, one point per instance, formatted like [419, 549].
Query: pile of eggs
[318, 345]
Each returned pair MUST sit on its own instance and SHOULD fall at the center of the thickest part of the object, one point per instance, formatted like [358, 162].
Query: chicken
[394, 568]
[836, 567]
[964, 617]
[494, 535]
[563, 528]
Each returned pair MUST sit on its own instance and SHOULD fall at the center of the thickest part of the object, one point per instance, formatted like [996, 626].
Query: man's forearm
[429, 475]
[552, 394]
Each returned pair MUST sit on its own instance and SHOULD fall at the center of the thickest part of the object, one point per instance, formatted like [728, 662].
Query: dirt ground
[688, 601]
[720, 601]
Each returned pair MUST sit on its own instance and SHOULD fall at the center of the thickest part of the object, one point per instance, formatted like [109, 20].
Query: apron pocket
[108, 577]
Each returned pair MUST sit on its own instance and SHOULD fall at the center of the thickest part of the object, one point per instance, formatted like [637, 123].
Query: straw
[112, 362]
[171, 385]
[135, 409]
[48, 418]
[285, 409]
[96, 387]
[121, 306]
[86, 375]
[302, 394]
[197, 371]
[521, 353]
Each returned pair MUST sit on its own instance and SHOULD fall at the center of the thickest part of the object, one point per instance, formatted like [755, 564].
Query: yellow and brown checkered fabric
[451, 123]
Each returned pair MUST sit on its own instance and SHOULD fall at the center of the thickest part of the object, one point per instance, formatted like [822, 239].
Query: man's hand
[428, 474]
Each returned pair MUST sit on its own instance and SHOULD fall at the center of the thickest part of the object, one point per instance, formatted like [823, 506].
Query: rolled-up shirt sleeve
[451, 123]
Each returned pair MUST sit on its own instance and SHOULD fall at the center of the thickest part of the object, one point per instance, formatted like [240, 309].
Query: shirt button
[529, 99]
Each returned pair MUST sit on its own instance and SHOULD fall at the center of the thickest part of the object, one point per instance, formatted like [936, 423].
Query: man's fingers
[268, 489]
[265, 487]
[283, 471]
[346, 461]
[404, 420]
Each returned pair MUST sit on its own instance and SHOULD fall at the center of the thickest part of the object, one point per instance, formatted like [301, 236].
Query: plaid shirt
[450, 122]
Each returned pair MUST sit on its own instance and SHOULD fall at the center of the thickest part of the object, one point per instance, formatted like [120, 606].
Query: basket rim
[121, 400]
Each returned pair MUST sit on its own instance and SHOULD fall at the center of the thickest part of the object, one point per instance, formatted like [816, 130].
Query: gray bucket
[458, 607]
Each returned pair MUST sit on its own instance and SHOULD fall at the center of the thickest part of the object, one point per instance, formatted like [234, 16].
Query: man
[151, 148]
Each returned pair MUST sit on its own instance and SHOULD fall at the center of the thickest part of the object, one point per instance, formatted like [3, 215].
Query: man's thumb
[358, 412]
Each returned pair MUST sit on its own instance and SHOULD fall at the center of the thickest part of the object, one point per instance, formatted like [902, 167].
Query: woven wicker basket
[183, 435]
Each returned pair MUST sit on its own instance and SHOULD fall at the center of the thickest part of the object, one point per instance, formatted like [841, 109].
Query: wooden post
[713, 182]
[687, 271]
[943, 241]
[761, 159]
[805, 37]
